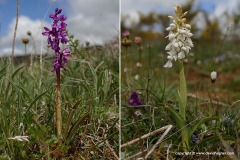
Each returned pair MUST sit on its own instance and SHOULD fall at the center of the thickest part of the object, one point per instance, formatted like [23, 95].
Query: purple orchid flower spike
[56, 35]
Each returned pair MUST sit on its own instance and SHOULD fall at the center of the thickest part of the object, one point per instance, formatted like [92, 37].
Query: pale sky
[91, 20]
[96, 21]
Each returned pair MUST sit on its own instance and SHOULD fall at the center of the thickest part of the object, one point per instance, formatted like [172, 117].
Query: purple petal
[131, 101]
[63, 40]
[58, 11]
[46, 29]
[65, 59]
[57, 67]
[55, 25]
[66, 52]
[49, 40]
[62, 18]
[139, 103]
[51, 15]
[134, 95]
[45, 33]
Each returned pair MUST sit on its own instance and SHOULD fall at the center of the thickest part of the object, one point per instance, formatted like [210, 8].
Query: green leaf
[177, 117]
[81, 121]
[182, 92]
[93, 71]
[198, 123]
[21, 88]
[181, 126]
[17, 70]
[70, 117]
[34, 101]
[3, 70]
[215, 140]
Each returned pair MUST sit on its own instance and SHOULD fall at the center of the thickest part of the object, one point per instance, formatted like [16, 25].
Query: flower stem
[58, 106]
[140, 54]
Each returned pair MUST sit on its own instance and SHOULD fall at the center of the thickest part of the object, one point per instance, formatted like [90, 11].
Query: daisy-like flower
[179, 37]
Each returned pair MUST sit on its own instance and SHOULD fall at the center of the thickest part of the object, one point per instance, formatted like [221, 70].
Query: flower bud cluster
[179, 37]
[126, 41]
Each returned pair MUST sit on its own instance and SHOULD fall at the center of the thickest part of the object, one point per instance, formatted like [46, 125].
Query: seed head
[29, 33]
[25, 40]
[126, 42]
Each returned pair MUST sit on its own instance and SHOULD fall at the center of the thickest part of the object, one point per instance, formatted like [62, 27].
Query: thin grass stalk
[148, 78]
[31, 58]
[15, 31]
[25, 46]
[124, 62]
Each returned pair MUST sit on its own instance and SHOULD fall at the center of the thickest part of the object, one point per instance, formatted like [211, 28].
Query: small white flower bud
[188, 26]
[184, 49]
[189, 34]
[173, 26]
[136, 77]
[168, 28]
[183, 20]
[213, 76]
[184, 14]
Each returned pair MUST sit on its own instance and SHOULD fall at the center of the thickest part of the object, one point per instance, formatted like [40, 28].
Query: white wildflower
[179, 37]
[136, 77]
[213, 76]
[138, 64]
[138, 113]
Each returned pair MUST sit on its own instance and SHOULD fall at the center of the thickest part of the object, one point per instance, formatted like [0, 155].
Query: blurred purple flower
[134, 99]
[58, 35]
[126, 34]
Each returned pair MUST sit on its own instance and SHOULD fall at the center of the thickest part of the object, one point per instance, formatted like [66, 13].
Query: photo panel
[179, 87]
[59, 79]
